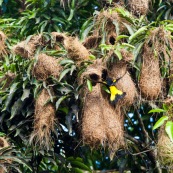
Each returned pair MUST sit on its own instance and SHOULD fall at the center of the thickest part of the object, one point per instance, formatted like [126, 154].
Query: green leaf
[77, 170]
[59, 101]
[105, 88]
[25, 94]
[160, 122]
[92, 57]
[137, 33]
[80, 165]
[89, 84]
[1, 1]
[16, 108]
[169, 129]
[63, 73]
[118, 53]
[156, 110]
[66, 61]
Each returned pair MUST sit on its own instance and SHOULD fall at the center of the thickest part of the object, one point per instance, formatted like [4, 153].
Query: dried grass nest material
[150, 82]
[3, 143]
[107, 18]
[101, 122]
[165, 149]
[26, 49]
[125, 84]
[46, 66]
[3, 37]
[92, 41]
[76, 51]
[59, 37]
[138, 7]
[44, 121]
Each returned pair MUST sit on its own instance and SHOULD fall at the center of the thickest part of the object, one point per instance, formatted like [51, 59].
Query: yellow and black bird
[115, 93]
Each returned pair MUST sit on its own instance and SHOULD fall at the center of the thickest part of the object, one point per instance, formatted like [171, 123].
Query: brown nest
[165, 149]
[44, 121]
[125, 84]
[26, 49]
[101, 122]
[92, 42]
[106, 20]
[76, 51]
[58, 38]
[139, 7]
[150, 82]
[2, 43]
[3, 143]
[46, 66]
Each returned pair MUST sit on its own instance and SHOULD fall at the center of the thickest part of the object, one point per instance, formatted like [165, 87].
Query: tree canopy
[86, 86]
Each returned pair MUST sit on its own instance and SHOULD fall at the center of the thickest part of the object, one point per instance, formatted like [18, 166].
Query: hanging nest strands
[150, 82]
[46, 66]
[26, 49]
[165, 149]
[107, 19]
[44, 121]
[101, 123]
[57, 39]
[76, 51]
[93, 127]
[2, 44]
[125, 84]
[138, 7]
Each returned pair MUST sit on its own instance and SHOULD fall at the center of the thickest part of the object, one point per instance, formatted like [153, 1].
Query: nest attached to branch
[101, 122]
[119, 69]
[44, 121]
[138, 7]
[46, 66]
[76, 51]
[150, 82]
[26, 49]
[106, 19]
[2, 43]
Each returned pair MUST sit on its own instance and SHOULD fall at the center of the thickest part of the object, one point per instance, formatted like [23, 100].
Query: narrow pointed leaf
[169, 129]
[160, 122]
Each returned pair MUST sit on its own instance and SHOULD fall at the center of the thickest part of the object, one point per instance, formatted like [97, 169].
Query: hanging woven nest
[101, 122]
[112, 23]
[93, 127]
[46, 66]
[150, 82]
[44, 121]
[3, 37]
[125, 84]
[26, 49]
[165, 150]
[57, 39]
[76, 51]
[138, 7]
[92, 42]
